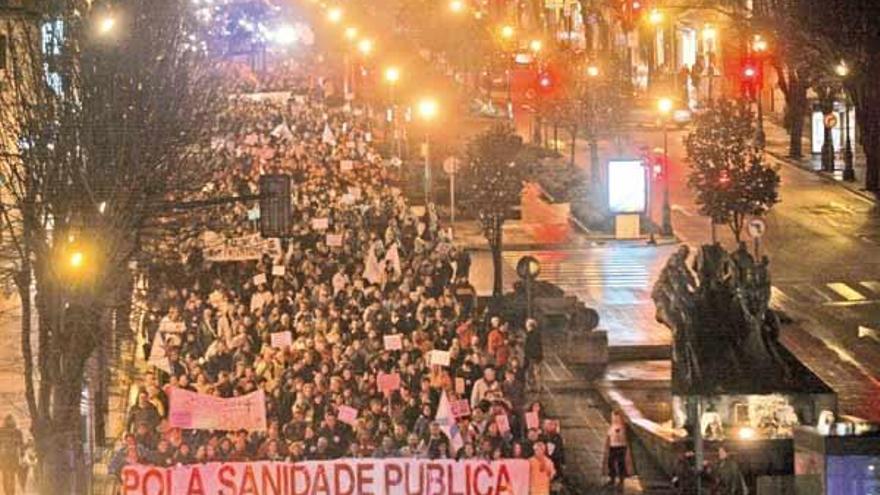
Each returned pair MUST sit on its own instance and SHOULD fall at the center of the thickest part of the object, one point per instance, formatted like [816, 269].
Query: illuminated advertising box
[627, 186]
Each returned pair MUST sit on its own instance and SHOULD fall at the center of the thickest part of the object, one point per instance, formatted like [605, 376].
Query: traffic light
[632, 12]
[751, 77]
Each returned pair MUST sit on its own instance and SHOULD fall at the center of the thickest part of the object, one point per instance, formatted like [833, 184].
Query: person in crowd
[726, 476]
[616, 450]
[10, 453]
[541, 471]
[361, 288]
[534, 354]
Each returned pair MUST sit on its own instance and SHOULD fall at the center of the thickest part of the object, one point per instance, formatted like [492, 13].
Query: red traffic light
[750, 72]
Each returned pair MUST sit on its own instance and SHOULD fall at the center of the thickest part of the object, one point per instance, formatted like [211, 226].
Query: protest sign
[346, 165]
[355, 192]
[194, 411]
[532, 422]
[460, 408]
[388, 382]
[320, 223]
[281, 340]
[260, 279]
[439, 358]
[279, 270]
[393, 342]
[248, 247]
[337, 477]
[348, 415]
[334, 240]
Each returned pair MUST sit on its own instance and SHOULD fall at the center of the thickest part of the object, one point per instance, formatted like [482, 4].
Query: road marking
[871, 285]
[846, 291]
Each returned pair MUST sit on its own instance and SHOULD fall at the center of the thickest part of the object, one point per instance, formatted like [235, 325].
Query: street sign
[830, 120]
[868, 333]
[757, 227]
[450, 165]
[528, 267]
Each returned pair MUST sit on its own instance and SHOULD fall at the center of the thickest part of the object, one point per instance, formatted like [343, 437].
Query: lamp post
[592, 74]
[759, 47]
[348, 76]
[427, 109]
[664, 106]
[849, 173]
[392, 75]
[507, 36]
[655, 18]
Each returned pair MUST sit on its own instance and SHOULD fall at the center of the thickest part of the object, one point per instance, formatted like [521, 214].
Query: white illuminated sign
[627, 186]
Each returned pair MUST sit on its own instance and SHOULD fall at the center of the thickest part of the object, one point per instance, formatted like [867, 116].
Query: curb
[794, 163]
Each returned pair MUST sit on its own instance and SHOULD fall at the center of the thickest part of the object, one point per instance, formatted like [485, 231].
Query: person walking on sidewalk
[10, 454]
[534, 354]
[617, 456]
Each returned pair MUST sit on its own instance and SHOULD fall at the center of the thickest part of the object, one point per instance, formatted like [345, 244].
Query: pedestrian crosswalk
[568, 270]
[837, 293]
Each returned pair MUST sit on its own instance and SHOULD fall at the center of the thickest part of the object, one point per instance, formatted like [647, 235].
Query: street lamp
[456, 6]
[759, 47]
[849, 173]
[334, 15]
[392, 75]
[106, 25]
[535, 46]
[655, 17]
[507, 32]
[351, 33]
[365, 46]
[427, 109]
[592, 72]
[664, 106]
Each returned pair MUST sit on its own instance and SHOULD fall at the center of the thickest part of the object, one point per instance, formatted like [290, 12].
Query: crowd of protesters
[359, 265]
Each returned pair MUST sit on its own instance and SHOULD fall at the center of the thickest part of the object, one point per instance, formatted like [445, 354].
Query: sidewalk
[777, 145]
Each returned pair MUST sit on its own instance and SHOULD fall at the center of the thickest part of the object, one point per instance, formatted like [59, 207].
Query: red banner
[342, 477]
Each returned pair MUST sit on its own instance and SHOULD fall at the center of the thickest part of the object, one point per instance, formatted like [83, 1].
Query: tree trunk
[867, 103]
[795, 108]
[574, 132]
[497, 261]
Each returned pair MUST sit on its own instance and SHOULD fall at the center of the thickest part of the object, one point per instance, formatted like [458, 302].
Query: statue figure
[724, 332]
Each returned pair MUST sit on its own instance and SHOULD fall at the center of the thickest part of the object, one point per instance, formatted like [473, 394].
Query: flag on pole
[393, 257]
[158, 354]
[448, 425]
[372, 269]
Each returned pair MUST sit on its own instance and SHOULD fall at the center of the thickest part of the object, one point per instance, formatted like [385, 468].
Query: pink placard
[388, 382]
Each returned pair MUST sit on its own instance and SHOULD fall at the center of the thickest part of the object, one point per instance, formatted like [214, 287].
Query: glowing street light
[428, 109]
[392, 74]
[351, 33]
[841, 69]
[709, 32]
[655, 17]
[664, 105]
[365, 46]
[507, 32]
[456, 6]
[77, 260]
[334, 15]
[286, 35]
[106, 25]
[535, 45]
[759, 45]
[592, 71]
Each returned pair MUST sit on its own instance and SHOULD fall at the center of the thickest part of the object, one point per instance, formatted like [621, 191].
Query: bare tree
[110, 105]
